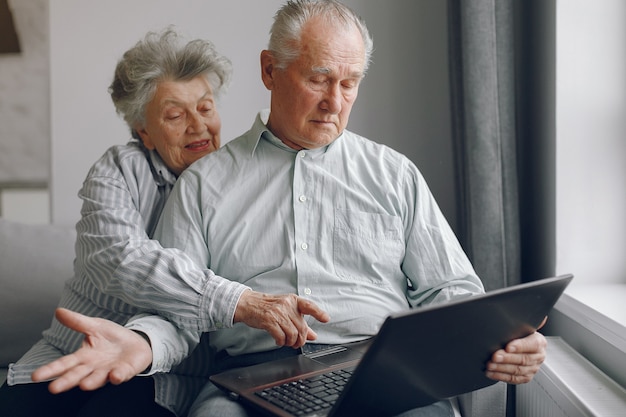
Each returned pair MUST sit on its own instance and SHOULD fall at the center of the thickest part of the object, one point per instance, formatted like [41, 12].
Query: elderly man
[326, 231]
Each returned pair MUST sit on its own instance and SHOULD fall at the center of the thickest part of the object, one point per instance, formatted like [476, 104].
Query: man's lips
[200, 145]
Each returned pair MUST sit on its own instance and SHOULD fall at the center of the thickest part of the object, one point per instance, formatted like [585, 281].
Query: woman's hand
[110, 353]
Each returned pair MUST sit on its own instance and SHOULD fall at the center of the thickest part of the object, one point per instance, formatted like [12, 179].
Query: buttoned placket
[301, 207]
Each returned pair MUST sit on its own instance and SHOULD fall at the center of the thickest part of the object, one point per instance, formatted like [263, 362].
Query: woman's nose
[196, 123]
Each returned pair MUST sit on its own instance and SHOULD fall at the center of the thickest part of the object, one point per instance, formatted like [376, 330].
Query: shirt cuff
[170, 345]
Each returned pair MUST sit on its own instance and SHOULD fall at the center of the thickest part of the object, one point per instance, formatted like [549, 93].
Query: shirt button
[301, 154]
[307, 291]
[304, 246]
[302, 198]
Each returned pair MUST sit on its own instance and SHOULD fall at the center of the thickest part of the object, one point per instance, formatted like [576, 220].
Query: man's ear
[267, 69]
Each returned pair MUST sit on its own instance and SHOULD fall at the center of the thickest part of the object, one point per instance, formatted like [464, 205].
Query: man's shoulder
[370, 148]
[241, 146]
[223, 166]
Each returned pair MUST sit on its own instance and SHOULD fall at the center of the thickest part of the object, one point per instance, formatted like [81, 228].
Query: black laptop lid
[431, 353]
[419, 356]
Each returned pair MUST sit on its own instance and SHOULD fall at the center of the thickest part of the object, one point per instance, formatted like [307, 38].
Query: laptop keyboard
[310, 395]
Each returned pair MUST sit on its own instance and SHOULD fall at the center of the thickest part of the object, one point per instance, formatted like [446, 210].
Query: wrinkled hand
[520, 359]
[282, 316]
[110, 353]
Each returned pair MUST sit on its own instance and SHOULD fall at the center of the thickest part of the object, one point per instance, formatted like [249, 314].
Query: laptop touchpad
[338, 356]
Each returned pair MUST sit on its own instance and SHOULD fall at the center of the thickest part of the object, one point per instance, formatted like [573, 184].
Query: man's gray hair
[290, 19]
[163, 56]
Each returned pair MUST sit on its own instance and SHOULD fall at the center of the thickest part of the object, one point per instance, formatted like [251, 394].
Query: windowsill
[591, 319]
[606, 299]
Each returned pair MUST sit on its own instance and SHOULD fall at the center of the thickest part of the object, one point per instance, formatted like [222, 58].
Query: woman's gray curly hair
[158, 57]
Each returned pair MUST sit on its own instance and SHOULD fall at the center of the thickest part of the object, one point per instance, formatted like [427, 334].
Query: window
[590, 179]
[591, 149]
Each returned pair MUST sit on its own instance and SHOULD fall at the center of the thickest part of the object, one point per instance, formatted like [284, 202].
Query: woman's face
[182, 122]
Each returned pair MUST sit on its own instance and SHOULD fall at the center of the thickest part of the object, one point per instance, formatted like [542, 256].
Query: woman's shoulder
[117, 158]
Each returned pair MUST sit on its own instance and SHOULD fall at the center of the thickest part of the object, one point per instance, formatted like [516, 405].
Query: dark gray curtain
[483, 120]
[503, 144]
[502, 75]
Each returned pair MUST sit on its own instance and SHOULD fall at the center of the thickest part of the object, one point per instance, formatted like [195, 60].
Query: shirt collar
[162, 173]
[260, 131]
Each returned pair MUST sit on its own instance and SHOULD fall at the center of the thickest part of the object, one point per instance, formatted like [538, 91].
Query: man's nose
[332, 99]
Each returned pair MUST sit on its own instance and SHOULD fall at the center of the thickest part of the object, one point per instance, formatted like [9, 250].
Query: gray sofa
[35, 262]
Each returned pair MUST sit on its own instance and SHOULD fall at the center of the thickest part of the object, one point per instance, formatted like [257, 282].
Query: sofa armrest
[35, 262]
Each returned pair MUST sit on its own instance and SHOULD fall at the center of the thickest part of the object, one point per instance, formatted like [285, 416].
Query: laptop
[419, 356]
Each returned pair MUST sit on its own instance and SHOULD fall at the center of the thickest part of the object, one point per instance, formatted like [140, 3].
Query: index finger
[75, 321]
[308, 307]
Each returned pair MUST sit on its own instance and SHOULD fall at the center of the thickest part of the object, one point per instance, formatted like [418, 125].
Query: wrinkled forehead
[327, 48]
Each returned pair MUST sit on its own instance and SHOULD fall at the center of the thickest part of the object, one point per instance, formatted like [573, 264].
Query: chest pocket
[367, 247]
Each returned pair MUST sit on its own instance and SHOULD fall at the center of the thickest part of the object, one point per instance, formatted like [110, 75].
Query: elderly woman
[166, 91]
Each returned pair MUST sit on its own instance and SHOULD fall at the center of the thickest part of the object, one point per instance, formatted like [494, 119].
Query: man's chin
[325, 138]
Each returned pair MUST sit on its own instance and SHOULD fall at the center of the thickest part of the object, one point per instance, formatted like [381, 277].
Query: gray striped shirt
[121, 272]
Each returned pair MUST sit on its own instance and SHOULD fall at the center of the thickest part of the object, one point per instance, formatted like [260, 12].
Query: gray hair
[290, 19]
[159, 57]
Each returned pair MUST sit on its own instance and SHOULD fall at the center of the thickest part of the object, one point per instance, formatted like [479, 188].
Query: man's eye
[350, 84]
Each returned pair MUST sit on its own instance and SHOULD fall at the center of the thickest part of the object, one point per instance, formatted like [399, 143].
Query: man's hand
[110, 353]
[520, 360]
[282, 316]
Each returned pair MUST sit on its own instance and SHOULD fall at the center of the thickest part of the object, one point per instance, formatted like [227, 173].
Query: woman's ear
[145, 138]
[267, 69]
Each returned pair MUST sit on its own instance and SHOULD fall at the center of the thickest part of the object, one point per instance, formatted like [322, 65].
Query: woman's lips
[200, 145]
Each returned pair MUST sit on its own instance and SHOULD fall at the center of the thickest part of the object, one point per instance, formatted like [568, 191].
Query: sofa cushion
[35, 262]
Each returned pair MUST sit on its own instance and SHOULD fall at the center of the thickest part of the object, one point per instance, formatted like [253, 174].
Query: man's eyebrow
[326, 71]
[321, 70]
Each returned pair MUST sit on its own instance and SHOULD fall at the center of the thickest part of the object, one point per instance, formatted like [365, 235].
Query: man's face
[182, 122]
[312, 98]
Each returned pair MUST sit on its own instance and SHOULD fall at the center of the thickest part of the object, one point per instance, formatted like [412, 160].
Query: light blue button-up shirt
[352, 227]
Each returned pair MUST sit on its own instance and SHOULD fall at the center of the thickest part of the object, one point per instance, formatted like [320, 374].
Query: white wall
[86, 40]
[591, 140]
[403, 101]
[24, 109]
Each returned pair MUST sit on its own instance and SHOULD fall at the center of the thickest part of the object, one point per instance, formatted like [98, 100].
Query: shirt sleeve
[170, 345]
[183, 225]
[435, 264]
[115, 253]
